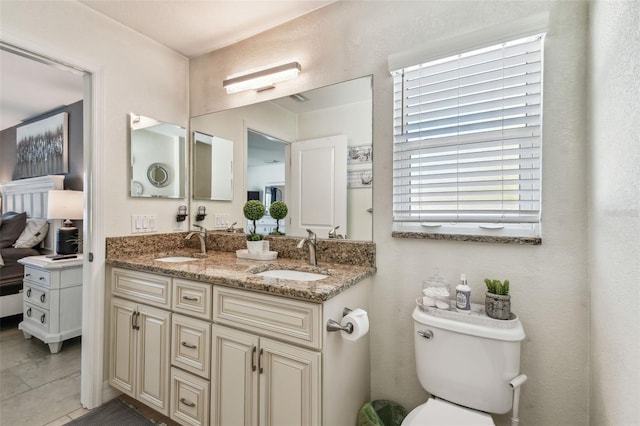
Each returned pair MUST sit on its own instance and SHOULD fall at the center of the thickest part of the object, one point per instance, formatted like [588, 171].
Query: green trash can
[381, 412]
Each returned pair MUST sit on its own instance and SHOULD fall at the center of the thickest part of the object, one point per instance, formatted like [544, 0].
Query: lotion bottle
[463, 296]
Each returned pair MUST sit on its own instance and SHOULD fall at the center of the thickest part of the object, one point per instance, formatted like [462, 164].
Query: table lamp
[67, 205]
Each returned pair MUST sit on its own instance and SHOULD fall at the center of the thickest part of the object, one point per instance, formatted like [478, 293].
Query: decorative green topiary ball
[278, 210]
[253, 210]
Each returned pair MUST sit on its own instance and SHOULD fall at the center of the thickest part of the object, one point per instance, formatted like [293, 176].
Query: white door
[318, 204]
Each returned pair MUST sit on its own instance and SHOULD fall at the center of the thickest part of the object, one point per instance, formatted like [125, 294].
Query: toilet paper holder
[335, 325]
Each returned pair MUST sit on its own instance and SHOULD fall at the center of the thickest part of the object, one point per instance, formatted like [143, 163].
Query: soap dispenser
[463, 296]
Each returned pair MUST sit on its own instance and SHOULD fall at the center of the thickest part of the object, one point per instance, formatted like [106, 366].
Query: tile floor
[37, 387]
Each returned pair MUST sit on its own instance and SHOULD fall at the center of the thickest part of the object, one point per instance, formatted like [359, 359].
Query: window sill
[523, 241]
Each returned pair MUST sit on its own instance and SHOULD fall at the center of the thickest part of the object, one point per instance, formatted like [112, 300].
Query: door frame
[93, 275]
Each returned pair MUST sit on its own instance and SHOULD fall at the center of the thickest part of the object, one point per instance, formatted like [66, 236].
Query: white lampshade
[65, 205]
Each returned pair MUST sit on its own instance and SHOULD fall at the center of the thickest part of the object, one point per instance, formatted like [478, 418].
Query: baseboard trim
[108, 392]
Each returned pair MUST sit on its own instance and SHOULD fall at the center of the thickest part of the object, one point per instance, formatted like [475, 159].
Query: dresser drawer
[192, 298]
[291, 320]
[37, 316]
[37, 276]
[191, 344]
[36, 295]
[189, 398]
[141, 287]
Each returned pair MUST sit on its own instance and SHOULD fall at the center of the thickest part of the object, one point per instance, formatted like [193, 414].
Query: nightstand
[52, 295]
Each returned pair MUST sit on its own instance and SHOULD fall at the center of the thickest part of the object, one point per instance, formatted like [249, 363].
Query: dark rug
[113, 413]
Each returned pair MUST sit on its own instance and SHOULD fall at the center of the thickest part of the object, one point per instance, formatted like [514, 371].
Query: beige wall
[550, 286]
[614, 213]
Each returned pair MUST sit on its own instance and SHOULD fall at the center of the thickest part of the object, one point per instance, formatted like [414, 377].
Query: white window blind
[467, 136]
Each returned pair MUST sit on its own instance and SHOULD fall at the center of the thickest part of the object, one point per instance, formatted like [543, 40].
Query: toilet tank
[467, 359]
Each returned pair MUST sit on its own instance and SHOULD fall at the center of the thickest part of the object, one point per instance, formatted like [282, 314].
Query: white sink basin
[174, 259]
[292, 275]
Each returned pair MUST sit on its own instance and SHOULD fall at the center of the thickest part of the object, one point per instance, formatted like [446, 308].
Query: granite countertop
[224, 268]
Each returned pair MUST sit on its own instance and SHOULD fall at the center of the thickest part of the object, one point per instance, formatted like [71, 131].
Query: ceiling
[193, 27]
[189, 27]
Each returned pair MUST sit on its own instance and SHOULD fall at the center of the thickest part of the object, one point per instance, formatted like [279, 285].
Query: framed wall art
[362, 178]
[359, 154]
[42, 147]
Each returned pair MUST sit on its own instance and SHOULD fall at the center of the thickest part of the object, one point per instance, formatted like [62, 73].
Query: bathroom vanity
[207, 341]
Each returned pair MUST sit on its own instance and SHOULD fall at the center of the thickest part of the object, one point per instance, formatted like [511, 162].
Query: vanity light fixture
[261, 78]
[202, 212]
[182, 214]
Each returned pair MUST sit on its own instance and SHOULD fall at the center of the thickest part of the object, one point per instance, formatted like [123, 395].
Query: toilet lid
[436, 412]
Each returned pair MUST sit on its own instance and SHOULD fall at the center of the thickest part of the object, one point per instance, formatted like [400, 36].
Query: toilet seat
[436, 412]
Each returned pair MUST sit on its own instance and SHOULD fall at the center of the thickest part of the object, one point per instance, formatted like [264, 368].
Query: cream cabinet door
[140, 343]
[289, 385]
[234, 377]
[122, 362]
[154, 353]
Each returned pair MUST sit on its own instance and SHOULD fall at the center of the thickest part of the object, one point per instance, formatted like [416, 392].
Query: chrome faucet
[333, 234]
[311, 243]
[231, 228]
[202, 236]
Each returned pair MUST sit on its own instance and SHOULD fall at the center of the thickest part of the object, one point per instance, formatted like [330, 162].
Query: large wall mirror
[157, 156]
[312, 150]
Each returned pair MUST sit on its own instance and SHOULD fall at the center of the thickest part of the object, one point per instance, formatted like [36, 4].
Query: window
[467, 141]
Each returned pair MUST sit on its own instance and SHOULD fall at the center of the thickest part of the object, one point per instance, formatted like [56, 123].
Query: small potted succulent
[254, 210]
[497, 303]
[278, 210]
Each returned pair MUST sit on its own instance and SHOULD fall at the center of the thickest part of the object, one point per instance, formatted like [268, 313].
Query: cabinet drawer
[142, 287]
[191, 344]
[189, 398]
[36, 295]
[291, 320]
[192, 298]
[37, 316]
[37, 276]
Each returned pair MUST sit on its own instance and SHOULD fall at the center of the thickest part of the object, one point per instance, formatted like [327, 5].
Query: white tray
[265, 255]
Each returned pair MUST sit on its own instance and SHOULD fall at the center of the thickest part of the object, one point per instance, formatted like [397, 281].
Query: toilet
[470, 364]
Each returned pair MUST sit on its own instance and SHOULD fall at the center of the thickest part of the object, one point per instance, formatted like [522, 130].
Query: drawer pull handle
[190, 298]
[187, 403]
[29, 293]
[137, 318]
[260, 369]
[42, 298]
[29, 312]
[253, 359]
[41, 278]
[42, 317]
[189, 345]
[27, 275]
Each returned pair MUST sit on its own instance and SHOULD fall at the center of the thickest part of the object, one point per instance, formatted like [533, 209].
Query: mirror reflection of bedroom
[41, 184]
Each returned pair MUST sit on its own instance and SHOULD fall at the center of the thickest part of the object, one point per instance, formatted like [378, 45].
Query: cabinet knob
[41, 278]
[187, 403]
[42, 317]
[29, 292]
[42, 297]
[27, 275]
[29, 312]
